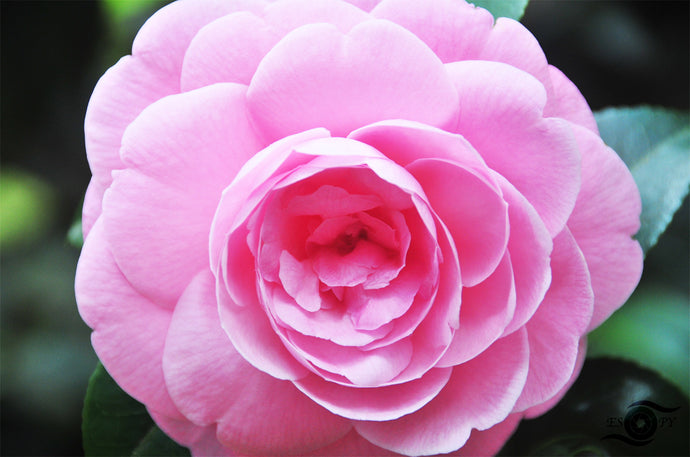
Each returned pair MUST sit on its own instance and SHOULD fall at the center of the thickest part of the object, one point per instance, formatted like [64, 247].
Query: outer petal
[152, 72]
[198, 349]
[566, 101]
[488, 442]
[479, 394]
[556, 328]
[129, 330]
[538, 410]
[352, 445]
[606, 216]
[93, 201]
[454, 30]
[318, 77]
[501, 116]
[182, 151]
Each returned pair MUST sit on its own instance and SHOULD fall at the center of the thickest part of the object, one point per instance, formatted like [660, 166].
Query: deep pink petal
[129, 331]
[530, 249]
[486, 310]
[259, 169]
[159, 211]
[538, 410]
[566, 101]
[378, 403]
[318, 77]
[606, 216]
[501, 116]
[473, 210]
[555, 330]
[479, 394]
[300, 282]
[352, 445]
[369, 368]
[182, 430]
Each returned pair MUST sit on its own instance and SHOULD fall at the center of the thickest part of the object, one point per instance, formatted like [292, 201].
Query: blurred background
[53, 52]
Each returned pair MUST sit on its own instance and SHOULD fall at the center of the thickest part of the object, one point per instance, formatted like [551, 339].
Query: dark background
[617, 52]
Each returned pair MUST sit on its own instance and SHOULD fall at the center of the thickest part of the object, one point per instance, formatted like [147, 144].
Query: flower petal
[555, 330]
[566, 101]
[318, 77]
[129, 331]
[473, 210]
[378, 403]
[501, 116]
[606, 216]
[170, 192]
[479, 394]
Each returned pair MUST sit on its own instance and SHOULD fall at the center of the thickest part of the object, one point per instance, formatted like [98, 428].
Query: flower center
[347, 241]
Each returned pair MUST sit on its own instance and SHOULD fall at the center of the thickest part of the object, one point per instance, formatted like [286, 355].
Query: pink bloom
[320, 227]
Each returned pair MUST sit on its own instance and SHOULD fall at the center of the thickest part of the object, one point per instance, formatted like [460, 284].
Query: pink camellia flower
[329, 227]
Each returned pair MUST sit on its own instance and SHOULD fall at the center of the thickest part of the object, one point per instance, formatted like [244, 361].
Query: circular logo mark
[640, 423]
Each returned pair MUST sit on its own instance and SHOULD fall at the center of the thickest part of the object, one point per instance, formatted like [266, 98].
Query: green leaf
[121, 10]
[156, 443]
[656, 339]
[115, 424]
[75, 237]
[655, 144]
[513, 9]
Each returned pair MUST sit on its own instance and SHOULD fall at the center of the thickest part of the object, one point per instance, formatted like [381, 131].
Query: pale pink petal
[555, 330]
[406, 141]
[159, 211]
[287, 15]
[164, 38]
[228, 49]
[93, 200]
[510, 42]
[479, 394]
[473, 210]
[120, 95]
[530, 248]
[252, 334]
[486, 310]
[198, 349]
[318, 77]
[378, 403]
[501, 116]
[364, 5]
[488, 442]
[538, 410]
[129, 331]
[454, 30]
[352, 445]
[566, 101]
[606, 216]
[300, 282]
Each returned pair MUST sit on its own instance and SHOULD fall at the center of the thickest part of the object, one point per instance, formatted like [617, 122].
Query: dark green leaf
[655, 144]
[655, 339]
[513, 9]
[157, 444]
[114, 424]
